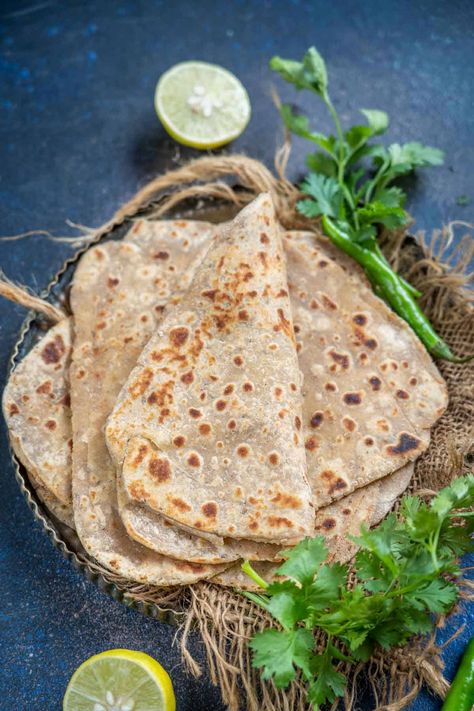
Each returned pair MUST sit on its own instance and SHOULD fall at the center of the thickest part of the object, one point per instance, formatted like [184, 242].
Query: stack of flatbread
[220, 393]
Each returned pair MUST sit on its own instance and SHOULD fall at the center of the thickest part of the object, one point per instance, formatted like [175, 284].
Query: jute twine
[226, 620]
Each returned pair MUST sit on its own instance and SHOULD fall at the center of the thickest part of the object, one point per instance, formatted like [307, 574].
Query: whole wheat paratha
[371, 391]
[207, 426]
[336, 522]
[106, 345]
[37, 413]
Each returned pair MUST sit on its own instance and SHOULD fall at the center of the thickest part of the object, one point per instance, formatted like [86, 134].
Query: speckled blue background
[79, 135]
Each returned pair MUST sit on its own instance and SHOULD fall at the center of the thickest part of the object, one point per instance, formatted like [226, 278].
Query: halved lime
[202, 105]
[120, 680]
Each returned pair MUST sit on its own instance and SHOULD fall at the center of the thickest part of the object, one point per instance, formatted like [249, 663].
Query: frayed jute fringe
[226, 620]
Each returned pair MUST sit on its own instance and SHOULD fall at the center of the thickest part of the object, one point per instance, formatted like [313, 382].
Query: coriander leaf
[377, 120]
[458, 495]
[279, 652]
[357, 136]
[403, 159]
[438, 596]
[309, 74]
[325, 191]
[391, 197]
[388, 633]
[365, 236]
[329, 683]
[287, 608]
[299, 125]
[304, 560]
[326, 586]
[322, 163]
[374, 575]
[456, 540]
[308, 208]
[378, 213]
[379, 541]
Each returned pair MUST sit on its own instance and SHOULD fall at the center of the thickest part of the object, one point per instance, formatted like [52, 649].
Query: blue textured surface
[79, 134]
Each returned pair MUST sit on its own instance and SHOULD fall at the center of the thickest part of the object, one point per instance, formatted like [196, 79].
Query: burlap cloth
[225, 619]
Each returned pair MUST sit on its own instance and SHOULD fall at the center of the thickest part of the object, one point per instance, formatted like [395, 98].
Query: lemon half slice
[202, 105]
[120, 680]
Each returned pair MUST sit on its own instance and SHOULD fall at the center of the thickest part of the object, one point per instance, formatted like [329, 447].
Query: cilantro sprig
[352, 188]
[406, 571]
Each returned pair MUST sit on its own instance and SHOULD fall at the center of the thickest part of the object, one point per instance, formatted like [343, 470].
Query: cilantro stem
[340, 138]
[248, 570]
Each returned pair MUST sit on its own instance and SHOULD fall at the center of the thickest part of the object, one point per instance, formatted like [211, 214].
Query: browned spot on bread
[209, 509]
[413, 381]
[253, 525]
[113, 563]
[221, 405]
[330, 387]
[209, 294]
[161, 255]
[405, 363]
[278, 392]
[316, 419]
[205, 428]
[162, 396]
[349, 423]
[253, 294]
[180, 504]
[51, 424]
[273, 458]
[143, 381]
[44, 388]
[194, 460]
[141, 454]
[179, 336]
[243, 315]
[285, 325]
[297, 422]
[328, 303]
[282, 293]
[286, 501]
[263, 258]
[341, 358]
[406, 443]
[54, 350]
[334, 482]
[322, 263]
[346, 512]
[264, 238]
[313, 304]
[328, 524]
[279, 522]
[186, 566]
[402, 394]
[144, 318]
[238, 360]
[187, 378]
[369, 441]
[352, 398]
[243, 450]
[247, 387]
[137, 491]
[112, 281]
[195, 413]
[371, 343]
[179, 441]
[360, 319]
[159, 469]
[311, 444]
[65, 400]
[383, 425]
[228, 389]
[375, 382]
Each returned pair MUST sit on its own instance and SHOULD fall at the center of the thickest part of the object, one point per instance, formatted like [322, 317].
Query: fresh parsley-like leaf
[322, 163]
[279, 653]
[299, 125]
[437, 596]
[309, 74]
[304, 560]
[328, 684]
[326, 193]
[377, 120]
[378, 212]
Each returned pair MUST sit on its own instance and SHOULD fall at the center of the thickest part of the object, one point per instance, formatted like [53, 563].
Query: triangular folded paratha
[108, 337]
[38, 417]
[207, 427]
[371, 391]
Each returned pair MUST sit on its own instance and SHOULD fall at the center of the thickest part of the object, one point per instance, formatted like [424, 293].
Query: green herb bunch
[350, 186]
[406, 571]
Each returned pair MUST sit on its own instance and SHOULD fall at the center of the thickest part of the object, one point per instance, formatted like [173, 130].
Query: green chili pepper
[390, 287]
[461, 694]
